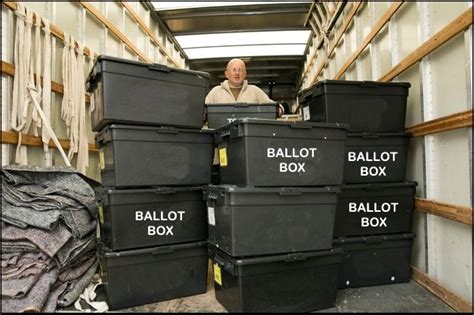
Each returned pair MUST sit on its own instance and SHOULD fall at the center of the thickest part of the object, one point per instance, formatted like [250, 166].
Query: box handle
[372, 239]
[295, 257]
[369, 84]
[299, 126]
[241, 105]
[168, 130]
[370, 136]
[163, 192]
[159, 67]
[162, 251]
[289, 193]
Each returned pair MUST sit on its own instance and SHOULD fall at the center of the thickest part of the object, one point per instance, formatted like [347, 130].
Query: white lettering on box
[159, 215]
[372, 156]
[291, 153]
[373, 171]
[373, 207]
[160, 230]
[373, 222]
[292, 167]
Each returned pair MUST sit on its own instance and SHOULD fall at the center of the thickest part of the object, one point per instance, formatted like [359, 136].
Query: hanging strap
[46, 97]
[34, 116]
[23, 108]
[83, 148]
[91, 94]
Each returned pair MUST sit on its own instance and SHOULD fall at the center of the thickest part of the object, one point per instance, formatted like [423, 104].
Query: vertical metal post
[373, 49]
[430, 145]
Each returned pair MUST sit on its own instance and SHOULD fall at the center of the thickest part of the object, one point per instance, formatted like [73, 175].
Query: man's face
[236, 73]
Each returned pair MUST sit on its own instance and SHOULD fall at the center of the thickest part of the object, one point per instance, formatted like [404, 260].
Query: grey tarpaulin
[48, 240]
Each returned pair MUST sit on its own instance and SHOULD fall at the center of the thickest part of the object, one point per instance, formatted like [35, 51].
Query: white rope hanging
[46, 98]
[26, 94]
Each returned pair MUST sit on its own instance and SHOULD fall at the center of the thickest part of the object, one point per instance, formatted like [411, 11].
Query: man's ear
[226, 73]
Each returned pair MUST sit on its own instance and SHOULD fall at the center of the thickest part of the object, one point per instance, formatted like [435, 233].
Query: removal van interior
[56, 59]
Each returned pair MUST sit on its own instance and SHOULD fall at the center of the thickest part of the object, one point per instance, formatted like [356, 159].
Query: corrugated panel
[451, 163]
[93, 33]
[451, 255]
[449, 78]
[407, 23]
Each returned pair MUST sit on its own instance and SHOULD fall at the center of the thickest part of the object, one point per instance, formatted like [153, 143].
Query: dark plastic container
[219, 115]
[261, 152]
[298, 282]
[143, 276]
[133, 92]
[364, 105]
[137, 156]
[246, 221]
[374, 260]
[376, 157]
[137, 218]
[368, 209]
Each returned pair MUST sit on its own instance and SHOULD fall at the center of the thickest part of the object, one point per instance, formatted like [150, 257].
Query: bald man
[236, 89]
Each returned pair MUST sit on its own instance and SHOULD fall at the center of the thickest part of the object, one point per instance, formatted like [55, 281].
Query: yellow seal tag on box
[223, 156]
[101, 160]
[217, 274]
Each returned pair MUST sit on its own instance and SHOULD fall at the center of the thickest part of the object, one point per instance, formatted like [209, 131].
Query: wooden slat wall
[448, 211]
[454, 301]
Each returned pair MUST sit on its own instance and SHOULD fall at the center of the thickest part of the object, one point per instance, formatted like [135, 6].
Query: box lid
[241, 108]
[149, 133]
[279, 190]
[379, 186]
[110, 196]
[362, 87]
[373, 238]
[373, 135]
[255, 127]
[158, 250]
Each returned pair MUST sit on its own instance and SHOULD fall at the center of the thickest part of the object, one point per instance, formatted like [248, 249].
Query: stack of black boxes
[271, 219]
[154, 159]
[375, 205]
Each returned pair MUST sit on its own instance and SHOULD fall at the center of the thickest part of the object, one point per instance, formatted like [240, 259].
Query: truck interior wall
[440, 86]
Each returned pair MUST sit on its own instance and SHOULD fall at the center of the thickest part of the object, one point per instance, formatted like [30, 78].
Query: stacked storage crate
[219, 115]
[375, 206]
[271, 219]
[154, 159]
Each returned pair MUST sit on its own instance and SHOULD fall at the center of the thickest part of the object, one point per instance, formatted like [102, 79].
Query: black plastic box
[133, 92]
[364, 105]
[261, 152]
[143, 276]
[219, 115]
[369, 209]
[298, 282]
[374, 260]
[137, 156]
[376, 157]
[246, 221]
[137, 218]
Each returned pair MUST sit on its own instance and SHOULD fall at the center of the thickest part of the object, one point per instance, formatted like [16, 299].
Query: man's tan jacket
[249, 94]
